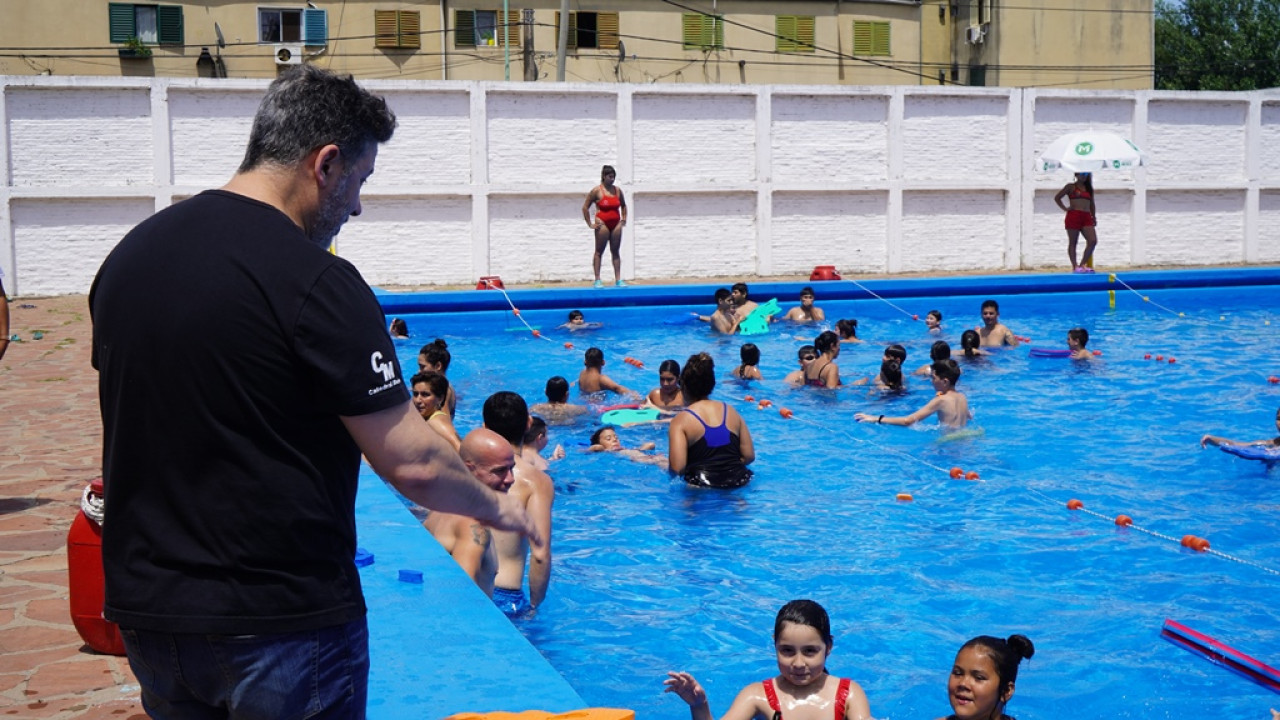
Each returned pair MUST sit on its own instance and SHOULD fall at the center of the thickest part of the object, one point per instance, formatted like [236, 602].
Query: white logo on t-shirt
[387, 369]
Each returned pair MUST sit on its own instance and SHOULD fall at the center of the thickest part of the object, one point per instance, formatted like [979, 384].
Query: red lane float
[1221, 654]
[1074, 504]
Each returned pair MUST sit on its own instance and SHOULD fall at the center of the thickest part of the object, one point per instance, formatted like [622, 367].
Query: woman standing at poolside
[1082, 218]
[708, 442]
[611, 216]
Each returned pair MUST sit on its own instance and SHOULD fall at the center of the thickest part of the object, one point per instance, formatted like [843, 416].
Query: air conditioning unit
[288, 54]
[975, 34]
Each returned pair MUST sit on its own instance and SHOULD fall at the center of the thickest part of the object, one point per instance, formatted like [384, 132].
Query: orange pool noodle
[1124, 520]
[956, 473]
[1074, 504]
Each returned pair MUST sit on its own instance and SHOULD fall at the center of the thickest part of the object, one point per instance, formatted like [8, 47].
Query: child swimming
[803, 690]
[592, 378]
[749, 369]
[848, 329]
[577, 322]
[1077, 338]
[940, 350]
[933, 322]
[983, 677]
[1216, 441]
[824, 372]
[805, 355]
[971, 344]
[606, 440]
[667, 395]
[951, 406]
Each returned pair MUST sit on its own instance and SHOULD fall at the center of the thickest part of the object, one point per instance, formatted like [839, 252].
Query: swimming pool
[652, 576]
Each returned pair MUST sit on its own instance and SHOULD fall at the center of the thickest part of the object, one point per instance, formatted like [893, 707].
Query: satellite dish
[218, 31]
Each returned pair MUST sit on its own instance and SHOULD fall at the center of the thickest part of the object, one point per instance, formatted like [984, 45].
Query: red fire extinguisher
[84, 575]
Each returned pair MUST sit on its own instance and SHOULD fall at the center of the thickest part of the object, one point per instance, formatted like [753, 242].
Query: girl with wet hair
[803, 689]
[848, 329]
[983, 677]
[667, 395]
[971, 343]
[824, 372]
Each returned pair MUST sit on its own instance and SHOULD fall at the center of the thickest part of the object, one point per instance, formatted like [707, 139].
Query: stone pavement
[50, 448]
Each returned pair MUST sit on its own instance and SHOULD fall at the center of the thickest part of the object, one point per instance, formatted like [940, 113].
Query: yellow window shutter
[385, 28]
[607, 30]
[785, 29]
[513, 27]
[410, 29]
[691, 30]
[573, 30]
[804, 33]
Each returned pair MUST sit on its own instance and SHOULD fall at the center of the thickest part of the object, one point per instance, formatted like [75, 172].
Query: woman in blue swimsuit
[709, 442]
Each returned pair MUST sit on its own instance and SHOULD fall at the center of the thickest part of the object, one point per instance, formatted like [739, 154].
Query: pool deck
[50, 447]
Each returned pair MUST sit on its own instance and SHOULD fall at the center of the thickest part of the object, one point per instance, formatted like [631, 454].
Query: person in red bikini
[803, 690]
[611, 216]
[1082, 218]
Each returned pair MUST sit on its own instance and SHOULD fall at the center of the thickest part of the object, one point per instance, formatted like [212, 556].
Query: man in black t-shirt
[230, 542]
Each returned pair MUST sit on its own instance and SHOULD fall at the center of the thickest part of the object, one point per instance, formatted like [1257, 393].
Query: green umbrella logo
[1084, 148]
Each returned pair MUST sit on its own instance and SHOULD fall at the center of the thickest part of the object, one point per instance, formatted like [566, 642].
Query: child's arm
[1215, 441]
[607, 383]
[930, 408]
[683, 684]
[856, 706]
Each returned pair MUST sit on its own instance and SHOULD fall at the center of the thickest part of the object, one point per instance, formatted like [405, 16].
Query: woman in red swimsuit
[611, 216]
[1082, 218]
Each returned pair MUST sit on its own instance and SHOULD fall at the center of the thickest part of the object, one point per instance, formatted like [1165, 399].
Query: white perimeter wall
[489, 178]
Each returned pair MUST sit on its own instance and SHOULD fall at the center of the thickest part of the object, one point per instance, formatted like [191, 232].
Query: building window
[397, 29]
[794, 33]
[870, 38]
[591, 30]
[151, 24]
[703, 32]
[481, 28]
[278, 25]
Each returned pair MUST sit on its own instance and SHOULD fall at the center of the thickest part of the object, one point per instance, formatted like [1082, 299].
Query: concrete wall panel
[701, 235]
[956, 138]
[62, 243]
[538, 238]
[694, 138]
[553, 137]
[410, 240]
[1045, 246]
[1194, 228]
[954, 230]
[830, 138]
[848, 230]
[207, 127]
[78, 137]
[1269, 227]
[1197, 140]
[432, 142]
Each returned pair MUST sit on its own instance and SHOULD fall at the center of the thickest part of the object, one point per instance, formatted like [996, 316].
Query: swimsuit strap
[705, 426]
[772, 696]
[842, 696]
[724, 407]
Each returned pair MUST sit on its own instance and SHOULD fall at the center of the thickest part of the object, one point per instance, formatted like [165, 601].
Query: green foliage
[138, 47]
[1217, 44]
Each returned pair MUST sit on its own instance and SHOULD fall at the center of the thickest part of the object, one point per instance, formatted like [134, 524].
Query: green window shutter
[880, 39]
[169, 22]
[464, 28]
[121, 22]
[861, 37]
[795, 33]
[315, 27]
[702, 32]
[607, 30]
[573, 30]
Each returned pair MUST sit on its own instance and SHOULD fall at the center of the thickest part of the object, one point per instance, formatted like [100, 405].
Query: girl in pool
[434, 356]
[824, 372]
[708, 442]
[983, 677]
[848, 329]
[667, 396]
[749, 369]
[971, 343]
[803, 690]
[889, 379]
[933, 322]
[1215, 441]
[429, 392]
[399, 329]
[606, 440]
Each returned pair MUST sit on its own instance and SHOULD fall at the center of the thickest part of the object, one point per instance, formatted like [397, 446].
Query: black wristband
[880, 420]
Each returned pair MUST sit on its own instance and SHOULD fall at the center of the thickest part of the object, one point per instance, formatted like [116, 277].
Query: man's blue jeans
[315, 674]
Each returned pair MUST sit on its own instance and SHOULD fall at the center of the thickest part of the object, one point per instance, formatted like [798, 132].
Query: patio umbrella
[1090, 150]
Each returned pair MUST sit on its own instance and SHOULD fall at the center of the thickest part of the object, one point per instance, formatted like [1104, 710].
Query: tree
[1217, 44]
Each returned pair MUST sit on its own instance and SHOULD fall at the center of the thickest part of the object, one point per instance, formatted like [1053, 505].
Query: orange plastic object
[1074, 504]
[1097, 353]
[905, 497]
[1159, 358]
[1124, 520]
[1147, 356]
[1172, 360]
[766, 403]
[750, 398]
[1186, 540]
[971, 475]
[583, 714]
[86, 584]
[915, 317]
[785, 413]
[537, 333]
[956, 473]
[1273, 379]
[568, 346]
[1200, 544]
[489, 282]
[515, 311]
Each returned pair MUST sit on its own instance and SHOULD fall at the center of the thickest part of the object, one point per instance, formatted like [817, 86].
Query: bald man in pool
[468, 541]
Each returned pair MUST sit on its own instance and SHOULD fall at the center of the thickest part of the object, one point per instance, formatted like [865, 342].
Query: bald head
[489, 458]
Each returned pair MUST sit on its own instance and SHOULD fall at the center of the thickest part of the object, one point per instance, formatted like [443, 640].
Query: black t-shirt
[227, 346]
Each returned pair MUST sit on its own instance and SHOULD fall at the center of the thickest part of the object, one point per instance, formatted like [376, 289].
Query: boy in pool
[933, 322]
[592, 378]
[606, 440]
[724, 320]
[807, 312]
[1077, 338]
[802, 690]
[557, 409]
[1215, 441]
[535, 441]
[578, 322]
[992, 331]
[940, 350]
[806, 355]
[951, 406]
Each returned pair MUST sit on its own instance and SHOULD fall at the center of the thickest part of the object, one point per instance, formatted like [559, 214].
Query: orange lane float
[1273, 380]
[1074, 504]
[765, 404]
[956, 473]
[1124, 520]
[750, 398]
[568, 346]
[905, 497]
[1097, 353]
[971, 475]
[785, 413]
[537, 333]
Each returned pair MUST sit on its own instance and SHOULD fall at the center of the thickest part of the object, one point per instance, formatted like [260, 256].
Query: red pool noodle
[1221, 654]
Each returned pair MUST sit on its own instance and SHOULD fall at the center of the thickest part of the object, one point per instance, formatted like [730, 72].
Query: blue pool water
[652, 576]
